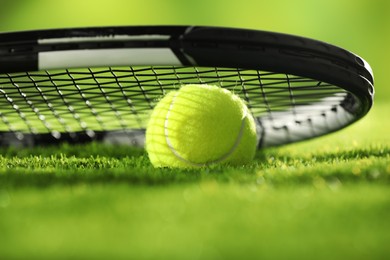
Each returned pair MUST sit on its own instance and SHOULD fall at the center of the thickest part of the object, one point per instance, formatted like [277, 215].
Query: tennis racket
[86, 84]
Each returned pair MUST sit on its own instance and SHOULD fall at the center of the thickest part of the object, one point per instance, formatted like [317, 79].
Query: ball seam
[181, 158]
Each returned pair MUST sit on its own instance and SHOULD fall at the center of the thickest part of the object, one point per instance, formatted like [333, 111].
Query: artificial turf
[323, 199]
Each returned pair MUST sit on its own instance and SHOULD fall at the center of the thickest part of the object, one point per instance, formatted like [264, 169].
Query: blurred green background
[326, 223]
[361, 26]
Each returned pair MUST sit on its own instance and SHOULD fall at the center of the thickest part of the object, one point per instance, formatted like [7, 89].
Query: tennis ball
[200, 125]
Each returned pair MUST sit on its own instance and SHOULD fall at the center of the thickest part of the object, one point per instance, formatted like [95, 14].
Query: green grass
[324, 199]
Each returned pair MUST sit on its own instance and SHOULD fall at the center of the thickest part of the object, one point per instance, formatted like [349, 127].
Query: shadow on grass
[100, 164]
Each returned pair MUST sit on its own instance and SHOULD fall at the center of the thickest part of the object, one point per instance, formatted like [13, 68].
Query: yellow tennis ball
[200, 125]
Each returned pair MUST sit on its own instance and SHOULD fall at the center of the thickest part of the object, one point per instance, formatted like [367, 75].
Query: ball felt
[200, 125]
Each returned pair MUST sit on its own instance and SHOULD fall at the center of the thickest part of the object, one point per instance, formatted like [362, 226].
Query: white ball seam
[181, 158]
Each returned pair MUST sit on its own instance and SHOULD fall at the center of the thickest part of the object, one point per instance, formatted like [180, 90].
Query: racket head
[296, 88]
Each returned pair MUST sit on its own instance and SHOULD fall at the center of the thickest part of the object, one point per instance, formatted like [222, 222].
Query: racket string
[121, 98]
